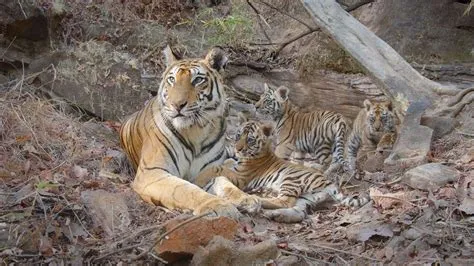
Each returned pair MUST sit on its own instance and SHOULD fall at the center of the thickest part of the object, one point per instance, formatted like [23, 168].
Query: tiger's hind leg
[279, 202]
[349, 201]
[299, 211]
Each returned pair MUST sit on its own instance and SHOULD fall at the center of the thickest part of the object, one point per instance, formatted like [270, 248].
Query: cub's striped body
[259, 168]
[375, 122]
[179, 133]
[321, 133]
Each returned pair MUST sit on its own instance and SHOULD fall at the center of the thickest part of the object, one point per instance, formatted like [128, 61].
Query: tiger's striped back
[320, 133]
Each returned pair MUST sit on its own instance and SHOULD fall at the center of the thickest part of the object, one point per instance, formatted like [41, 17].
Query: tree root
[455, 106]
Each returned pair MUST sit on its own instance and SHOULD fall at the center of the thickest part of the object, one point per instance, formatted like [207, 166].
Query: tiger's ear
[389, 105]
[216, 59]
[282, 93]
[367, 104]
[267, 130]
[266, 87]
[242, 118]
[170, 57]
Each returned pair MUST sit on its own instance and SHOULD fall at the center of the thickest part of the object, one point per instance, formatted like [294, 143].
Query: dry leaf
[389, 200]
[27, 166]
[380, 230]
[46, 247]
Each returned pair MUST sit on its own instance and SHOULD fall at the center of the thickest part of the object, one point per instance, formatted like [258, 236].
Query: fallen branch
[345, 252]
[261, 18]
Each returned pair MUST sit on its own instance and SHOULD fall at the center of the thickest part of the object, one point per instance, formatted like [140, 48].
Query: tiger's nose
[179, 106]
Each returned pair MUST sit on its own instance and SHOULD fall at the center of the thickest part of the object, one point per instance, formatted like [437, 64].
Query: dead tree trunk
[394, 75]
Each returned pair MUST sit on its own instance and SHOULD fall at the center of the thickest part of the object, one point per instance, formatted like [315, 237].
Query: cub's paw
[249, 204]
[218, 207]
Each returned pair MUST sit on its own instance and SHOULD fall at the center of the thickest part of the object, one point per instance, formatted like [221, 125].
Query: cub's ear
[267, 129]
[389, 105]
[242, 117]
[216, 59]
[282, 93]
[367, 104]
[170, 57]
[266, 87]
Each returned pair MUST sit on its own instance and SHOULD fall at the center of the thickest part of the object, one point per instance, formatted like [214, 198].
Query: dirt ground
[51, 160]
[65, 195]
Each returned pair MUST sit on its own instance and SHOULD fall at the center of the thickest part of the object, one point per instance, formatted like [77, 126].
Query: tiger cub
[319, 133]
[257, 167]
[375, 123]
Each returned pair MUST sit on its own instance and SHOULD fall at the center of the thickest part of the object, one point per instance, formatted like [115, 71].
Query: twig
[136, 233]
[6, 49]
[286, 14]
[21, 7]
[154, 256]
[117, 251]
[312, 29]
[345, 252]
[301, 256]
[144, 253]
[260, 19]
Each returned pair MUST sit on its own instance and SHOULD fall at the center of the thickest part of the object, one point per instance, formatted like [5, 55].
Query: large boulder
[96, 77]
[434, 31]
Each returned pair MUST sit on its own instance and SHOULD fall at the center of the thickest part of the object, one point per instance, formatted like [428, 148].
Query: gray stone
[423, 27]
[107, 210]
[97, 78]
[430, 176]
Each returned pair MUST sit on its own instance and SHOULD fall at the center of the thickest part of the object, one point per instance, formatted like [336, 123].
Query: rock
[185, 241]
[108, 210]
[221, 251]
[97, 78]
[440, 125]
[411, 234]
[374, 162]
[423, 27]
[363, 232]
[430, 176]
[414, 141]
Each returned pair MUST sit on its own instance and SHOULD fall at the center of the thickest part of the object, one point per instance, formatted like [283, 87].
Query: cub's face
[251, 139]
[271, 102]
[380, 117]
[192, 91]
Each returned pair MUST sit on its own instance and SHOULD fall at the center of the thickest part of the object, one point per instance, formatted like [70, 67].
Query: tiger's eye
[171, 80]
[198, 81]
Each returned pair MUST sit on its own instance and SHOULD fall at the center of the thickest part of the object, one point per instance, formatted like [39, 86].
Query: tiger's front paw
[218, 207]
[249, 204]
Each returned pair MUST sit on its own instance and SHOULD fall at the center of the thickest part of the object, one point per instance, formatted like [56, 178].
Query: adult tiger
[179, 133]
[376, 121]
[319, 133]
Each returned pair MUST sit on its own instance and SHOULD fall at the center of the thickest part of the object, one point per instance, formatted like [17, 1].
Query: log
[398, 79]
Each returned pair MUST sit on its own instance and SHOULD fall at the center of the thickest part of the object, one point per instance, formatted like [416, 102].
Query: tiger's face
[271, 102]
[192, 91]
[252, 139]
[380, 117]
